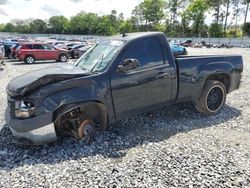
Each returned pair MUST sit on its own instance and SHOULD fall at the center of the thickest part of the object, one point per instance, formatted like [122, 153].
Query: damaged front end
[30, 129]
[29, 121]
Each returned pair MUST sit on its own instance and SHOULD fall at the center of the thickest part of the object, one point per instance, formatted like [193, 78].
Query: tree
[196, 13]
[185, 22]
[38, 26]
[126, 27]
[153, 11]
[226, 14]
[236, 14]
[114, 20]
[137, 16]
[58, 24]
[84, 23]
[246, 3]
[246, 29]
[215, 30]
[25, 28]
[9, 27]
[105, 26]
[216, 6]
[148, 13]
[174, 8]
[2, 26]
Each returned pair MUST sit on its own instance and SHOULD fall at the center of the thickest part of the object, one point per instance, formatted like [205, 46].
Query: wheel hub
[76, 124]
[215, 98]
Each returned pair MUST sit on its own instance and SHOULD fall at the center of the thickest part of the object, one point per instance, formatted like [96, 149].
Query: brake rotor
[86, 131]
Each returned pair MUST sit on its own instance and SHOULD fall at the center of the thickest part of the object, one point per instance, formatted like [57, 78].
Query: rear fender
[213, 69]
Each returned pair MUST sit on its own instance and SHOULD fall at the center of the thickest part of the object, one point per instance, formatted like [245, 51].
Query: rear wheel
[29, 59]
[63, 58]
[212, 98]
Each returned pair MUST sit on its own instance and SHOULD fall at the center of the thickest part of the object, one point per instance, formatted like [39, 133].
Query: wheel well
[29, 55]
[61, 54]
[94, 110]
[223, 78]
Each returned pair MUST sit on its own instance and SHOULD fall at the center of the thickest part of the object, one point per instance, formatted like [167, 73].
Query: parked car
[30, 52]
[178, 50]
[80, 51]
[2, 53]
[13, 50]
[7, 48]
[197, 45]
[69, 45]
[73, 48]
[119, 77]
[187, 43]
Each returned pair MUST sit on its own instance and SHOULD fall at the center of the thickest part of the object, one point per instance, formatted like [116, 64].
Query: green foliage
[38, 26]
[106, 26]
[153, 11]
[246, 29]
[216, 30]
[22, 28]
[84, 24]
[148, 14]
[126, 27]
[58, 24]
[9, 27]
[196, 13]
[230, 33]
[2, 26]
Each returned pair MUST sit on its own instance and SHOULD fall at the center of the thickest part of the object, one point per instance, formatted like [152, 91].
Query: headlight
[24, 109]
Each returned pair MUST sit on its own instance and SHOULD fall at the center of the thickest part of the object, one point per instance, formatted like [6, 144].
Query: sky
[44, 9]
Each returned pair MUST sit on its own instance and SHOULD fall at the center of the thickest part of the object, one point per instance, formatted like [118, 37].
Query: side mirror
[129, 64]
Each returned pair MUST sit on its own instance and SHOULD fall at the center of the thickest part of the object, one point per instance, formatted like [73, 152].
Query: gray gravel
[172, 147]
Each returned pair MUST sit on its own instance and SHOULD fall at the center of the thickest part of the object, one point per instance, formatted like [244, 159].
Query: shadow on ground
[17, 63]
[156, 126]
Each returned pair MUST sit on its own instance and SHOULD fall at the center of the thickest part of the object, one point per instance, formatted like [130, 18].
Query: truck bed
[194, 70]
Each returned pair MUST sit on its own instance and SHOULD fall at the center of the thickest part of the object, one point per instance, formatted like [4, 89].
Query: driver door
[141, 89]
[49, 53]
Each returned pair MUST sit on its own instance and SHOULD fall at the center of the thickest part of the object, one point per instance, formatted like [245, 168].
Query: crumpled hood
[25, 84]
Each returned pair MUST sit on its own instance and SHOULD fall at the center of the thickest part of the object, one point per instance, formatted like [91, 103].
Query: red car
[30, 52]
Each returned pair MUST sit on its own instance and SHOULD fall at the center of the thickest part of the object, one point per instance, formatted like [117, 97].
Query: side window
[38, 47]
[47, 47]
[148, 52]
[29, 46]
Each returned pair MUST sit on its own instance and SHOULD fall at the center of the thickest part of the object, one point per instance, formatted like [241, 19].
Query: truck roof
[131, 36]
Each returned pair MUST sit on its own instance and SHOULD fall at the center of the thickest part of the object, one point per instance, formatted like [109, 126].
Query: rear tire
[212, 98]
[29, 59]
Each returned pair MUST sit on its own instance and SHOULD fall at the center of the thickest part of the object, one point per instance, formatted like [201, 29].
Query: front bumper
[44, 135]
[36, 131]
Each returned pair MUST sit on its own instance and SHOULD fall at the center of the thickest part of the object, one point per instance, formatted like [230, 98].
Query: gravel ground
[171, 147]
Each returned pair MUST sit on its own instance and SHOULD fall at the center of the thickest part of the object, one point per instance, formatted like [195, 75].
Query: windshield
[100, 55]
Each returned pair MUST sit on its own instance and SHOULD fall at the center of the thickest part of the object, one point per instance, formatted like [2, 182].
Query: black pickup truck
[119, 77]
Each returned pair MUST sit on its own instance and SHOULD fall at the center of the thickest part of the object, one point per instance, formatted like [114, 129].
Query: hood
[25, 84]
